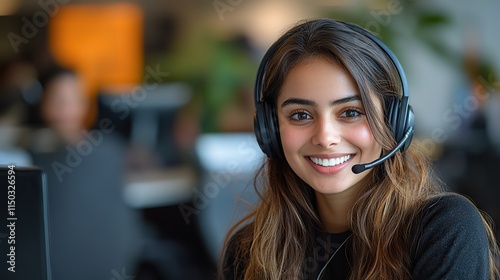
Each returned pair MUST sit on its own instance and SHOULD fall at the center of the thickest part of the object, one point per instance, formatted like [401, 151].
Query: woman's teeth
[330, 162]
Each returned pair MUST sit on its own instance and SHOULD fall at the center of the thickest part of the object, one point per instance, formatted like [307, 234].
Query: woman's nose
[326, 133]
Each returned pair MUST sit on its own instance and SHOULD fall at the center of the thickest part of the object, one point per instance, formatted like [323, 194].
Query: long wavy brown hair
[279, 232]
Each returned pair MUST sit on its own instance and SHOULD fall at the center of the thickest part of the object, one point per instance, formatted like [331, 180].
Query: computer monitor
[228, 164]
[24, 248]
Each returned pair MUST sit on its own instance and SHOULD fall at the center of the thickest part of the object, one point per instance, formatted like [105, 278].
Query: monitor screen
[23, 229]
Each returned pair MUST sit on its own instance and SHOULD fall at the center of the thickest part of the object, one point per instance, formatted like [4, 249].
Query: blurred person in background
[57, 118]
[493, 115]
[94, 235]
[63, 105]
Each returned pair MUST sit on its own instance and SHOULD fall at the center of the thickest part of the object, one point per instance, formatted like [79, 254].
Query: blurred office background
[140, 113]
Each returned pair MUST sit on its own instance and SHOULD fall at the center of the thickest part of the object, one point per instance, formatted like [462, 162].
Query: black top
[449, 243]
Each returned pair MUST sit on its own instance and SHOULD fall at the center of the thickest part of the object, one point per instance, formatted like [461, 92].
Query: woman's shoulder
[450, 232]
[451, 215]
[450, 208]
[448, 200]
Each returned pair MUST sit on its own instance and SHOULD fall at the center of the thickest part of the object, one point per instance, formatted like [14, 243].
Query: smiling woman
[329, 98]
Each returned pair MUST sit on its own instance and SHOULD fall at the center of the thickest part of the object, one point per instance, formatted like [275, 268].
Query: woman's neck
[333, 210]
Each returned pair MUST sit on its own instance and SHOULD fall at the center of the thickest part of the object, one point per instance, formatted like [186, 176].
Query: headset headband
[270, 52]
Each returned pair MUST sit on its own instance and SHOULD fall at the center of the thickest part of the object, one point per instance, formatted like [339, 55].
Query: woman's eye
[299, 116]
[351, 113]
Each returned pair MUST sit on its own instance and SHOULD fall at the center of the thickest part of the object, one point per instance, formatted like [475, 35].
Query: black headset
[400, 114]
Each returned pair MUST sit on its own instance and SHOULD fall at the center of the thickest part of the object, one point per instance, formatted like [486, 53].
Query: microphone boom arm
[358, 168]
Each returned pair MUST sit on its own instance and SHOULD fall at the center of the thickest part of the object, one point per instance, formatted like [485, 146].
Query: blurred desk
[148, 189]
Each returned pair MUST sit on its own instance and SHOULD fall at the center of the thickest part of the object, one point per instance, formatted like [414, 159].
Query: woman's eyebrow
[345, 100]
[298, 101]
[307, 102]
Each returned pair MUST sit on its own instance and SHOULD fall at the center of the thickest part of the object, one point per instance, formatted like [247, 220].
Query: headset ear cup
[409, 123]
[260, 130]
[273, 133]
[402, 115]
[267, 130]
[401, 118]
[393, 117]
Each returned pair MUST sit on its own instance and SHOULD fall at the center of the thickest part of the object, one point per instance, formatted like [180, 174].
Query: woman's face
[64, 108]
[323, 126]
